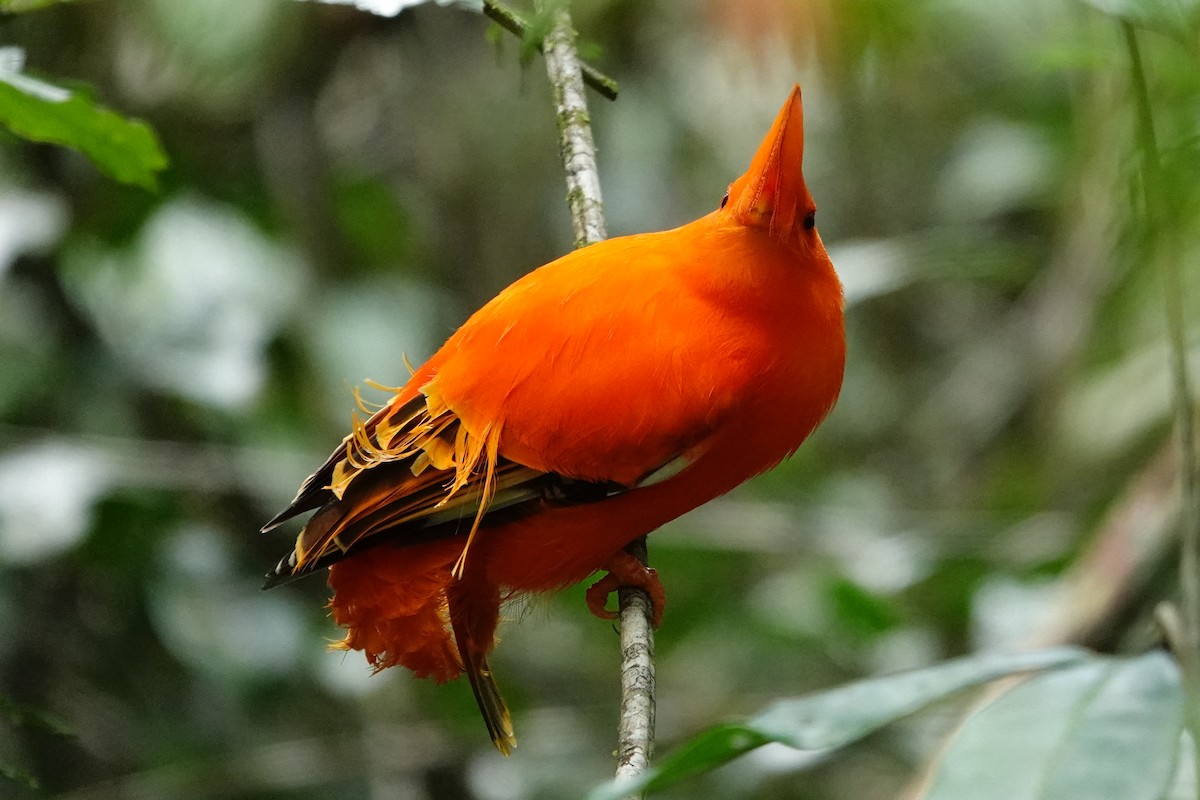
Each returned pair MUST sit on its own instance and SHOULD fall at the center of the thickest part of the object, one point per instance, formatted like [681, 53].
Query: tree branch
[574, 132]
[636, 731]
[635, 734]
[508, 19]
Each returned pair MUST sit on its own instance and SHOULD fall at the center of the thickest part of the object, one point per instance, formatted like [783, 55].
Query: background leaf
[1099, 730]
[15, 6]
[836, 717]
[125, 149]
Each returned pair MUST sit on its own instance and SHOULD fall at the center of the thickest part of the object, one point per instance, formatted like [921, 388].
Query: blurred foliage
[344, 188]
[1080, 727]
[837, 717]
[1106, 728]
[42, 112]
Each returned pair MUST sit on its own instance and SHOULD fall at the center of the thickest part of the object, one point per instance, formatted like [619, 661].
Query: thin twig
[1183, 627]
[508, 19]
[1176, 330]
[636, 733]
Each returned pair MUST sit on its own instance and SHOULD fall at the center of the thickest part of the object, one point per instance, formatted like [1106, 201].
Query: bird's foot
[625, 570]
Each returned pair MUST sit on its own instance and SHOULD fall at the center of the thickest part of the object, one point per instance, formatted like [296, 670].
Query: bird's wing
[317, 488]
[413, 471]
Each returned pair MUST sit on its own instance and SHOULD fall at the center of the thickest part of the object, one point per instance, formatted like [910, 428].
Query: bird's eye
[810, 220]
[724, 199]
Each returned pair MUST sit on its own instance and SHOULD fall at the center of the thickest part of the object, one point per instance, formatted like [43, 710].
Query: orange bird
[590, 402]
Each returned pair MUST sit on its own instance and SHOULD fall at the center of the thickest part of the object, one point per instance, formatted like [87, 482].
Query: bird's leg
[625, 570]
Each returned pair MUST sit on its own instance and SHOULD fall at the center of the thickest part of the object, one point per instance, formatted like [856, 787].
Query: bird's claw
[625, 570]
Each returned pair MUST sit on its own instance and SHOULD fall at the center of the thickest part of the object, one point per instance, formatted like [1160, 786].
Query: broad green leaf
[836, 717]
[1100, 729]
[390, 8]
[126, 149]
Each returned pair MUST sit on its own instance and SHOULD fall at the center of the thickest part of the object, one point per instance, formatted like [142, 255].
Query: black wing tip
[274, 523]
[292, 511]
[285, 572]
[309, 497]
[271, 580]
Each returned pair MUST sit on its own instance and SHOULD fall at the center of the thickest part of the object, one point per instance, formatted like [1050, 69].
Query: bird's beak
[772, 193]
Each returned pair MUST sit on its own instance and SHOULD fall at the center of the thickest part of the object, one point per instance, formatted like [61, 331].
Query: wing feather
[411, 473]
[315, 491]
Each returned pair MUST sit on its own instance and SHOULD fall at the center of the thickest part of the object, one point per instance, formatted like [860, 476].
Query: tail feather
[403, 606]
[491, 705]
[474, 613]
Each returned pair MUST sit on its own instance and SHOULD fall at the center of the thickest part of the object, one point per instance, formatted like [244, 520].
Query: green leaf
[16, 6]
[538, 25]
[125, 149]
[861, 612]
[836, 717]
[1101, 729]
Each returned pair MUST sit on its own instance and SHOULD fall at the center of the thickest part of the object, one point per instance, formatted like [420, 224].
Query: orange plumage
[590, 402]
